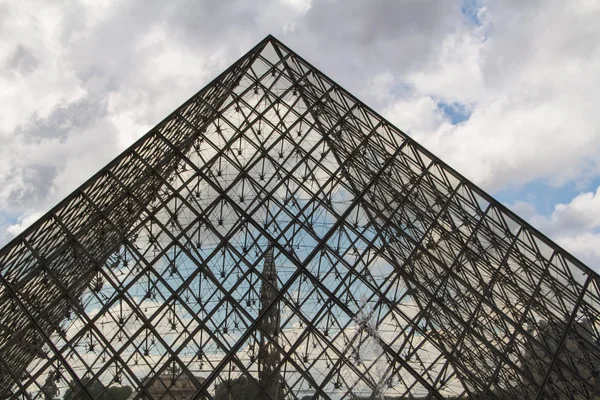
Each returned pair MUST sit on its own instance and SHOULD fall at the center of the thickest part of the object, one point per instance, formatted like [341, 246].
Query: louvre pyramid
[276, 238]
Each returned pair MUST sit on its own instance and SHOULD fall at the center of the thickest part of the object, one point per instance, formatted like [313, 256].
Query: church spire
[269, 356]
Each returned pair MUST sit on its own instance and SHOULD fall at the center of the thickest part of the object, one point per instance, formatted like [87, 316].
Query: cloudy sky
[505, 91]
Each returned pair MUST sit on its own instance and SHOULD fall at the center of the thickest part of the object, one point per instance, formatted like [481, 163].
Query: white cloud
[300, 5]
[529, 75]
[585, 246]
[454, 72]
[418, 114]
[580, 214]
[23, 223]
[574, 225]
[34, 76]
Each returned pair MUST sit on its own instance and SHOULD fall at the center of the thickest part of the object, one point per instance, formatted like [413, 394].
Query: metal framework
[276, 238]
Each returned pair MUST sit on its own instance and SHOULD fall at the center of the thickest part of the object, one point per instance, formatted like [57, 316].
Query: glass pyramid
[275, 238]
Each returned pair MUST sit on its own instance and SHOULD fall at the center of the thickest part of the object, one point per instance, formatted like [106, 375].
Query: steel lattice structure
[276, 238]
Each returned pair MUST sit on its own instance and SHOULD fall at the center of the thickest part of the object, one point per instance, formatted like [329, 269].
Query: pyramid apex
[271, 38]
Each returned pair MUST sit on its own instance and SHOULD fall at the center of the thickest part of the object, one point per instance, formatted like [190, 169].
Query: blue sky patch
[456, 112]
[470, 9]
[545, 197]
[10, 219]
